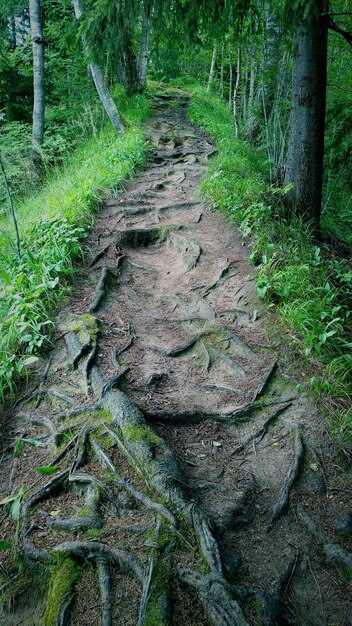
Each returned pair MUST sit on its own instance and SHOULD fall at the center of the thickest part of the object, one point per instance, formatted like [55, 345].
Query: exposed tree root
[271, 605]
[96, 550]
[266, 380]
[223, 388]
[115, 380]
[220, 607]
[105, 591]
[227, 272]
[335, 554]
[42, 383]
[259, 433]
[291, 477]
[100, 291]
[179, 205]
[180, 349]
[41, 420]
[99, 255]
[234, 365]
[140, 237]
[190, 251]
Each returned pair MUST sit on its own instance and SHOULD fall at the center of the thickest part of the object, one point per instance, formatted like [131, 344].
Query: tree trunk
[212, 69]
[133, 84]
[235, 90]
[99, 80]
[230, 85]
[13, 31]
[144, 49]
[251, 81]
[306, 144]
[38, 78]
[222, 72]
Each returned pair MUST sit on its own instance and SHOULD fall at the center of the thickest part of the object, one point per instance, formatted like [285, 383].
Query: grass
[53, 224]
[310, 287]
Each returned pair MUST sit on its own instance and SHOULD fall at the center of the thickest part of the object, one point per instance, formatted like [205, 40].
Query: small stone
[343, 524]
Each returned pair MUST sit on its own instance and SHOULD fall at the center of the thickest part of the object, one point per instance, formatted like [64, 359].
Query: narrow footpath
[192, 481]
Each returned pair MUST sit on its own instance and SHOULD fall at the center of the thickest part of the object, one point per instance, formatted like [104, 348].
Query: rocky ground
[189, 480]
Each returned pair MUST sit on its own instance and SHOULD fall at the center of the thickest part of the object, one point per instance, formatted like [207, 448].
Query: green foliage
[54, 222]
[310, 287]
[13, 503]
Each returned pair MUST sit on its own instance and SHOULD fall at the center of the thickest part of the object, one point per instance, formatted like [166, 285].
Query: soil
[183, 335]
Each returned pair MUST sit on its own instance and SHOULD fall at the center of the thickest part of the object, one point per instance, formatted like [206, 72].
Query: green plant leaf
[15, 509]
[5, 545]
[4, 275]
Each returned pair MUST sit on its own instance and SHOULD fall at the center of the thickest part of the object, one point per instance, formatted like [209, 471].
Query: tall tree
[309, 77]
[99, 79]
[144, 46]
[38, 78]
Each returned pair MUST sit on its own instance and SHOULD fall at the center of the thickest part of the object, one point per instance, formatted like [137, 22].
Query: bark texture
[212, 69]
[306, 145]
[99, 80]
[38, 76]
[144, 49]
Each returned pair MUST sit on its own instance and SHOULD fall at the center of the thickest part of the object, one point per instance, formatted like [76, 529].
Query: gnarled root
[292, 475]
[335, 554]
[216, 598]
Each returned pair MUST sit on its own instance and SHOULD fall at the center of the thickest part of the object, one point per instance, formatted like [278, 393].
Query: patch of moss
[65, 573]
[92, 533]
[82, 322]
[157, 613]
[137, 433]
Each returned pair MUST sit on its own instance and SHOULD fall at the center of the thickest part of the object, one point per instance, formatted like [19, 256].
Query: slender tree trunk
[144, 49]
[306, 144]
[244, 95]
[99, 80]
[212, 69]
[222, 72]
[230, 85]
[13, 31]
[235, 90]
[38, 78]
[251, 81]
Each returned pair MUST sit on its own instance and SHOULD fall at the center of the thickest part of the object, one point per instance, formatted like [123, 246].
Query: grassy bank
[310, 288]
[53, 224]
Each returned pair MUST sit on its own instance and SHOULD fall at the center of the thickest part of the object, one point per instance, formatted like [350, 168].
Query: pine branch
[346, 34]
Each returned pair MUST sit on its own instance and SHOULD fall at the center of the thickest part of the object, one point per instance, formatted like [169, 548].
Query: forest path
[190, 471]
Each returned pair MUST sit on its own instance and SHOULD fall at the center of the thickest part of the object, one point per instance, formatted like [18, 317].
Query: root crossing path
[186, 478]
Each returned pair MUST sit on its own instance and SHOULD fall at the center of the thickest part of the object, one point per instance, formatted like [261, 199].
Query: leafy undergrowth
[311, 288]
[53, 224]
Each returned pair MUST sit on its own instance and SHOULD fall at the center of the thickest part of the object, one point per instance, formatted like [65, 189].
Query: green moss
[64, 575]
[157, 609]
[137, 433]
[92, 533]
[81, 323]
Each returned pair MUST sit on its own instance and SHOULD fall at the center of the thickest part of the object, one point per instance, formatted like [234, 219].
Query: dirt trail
[195, 485]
